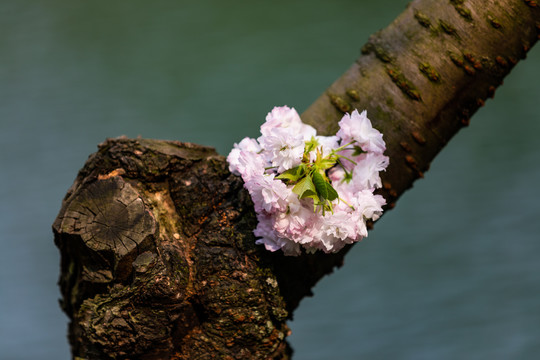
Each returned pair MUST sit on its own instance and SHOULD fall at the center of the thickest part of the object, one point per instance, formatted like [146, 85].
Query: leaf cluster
[310, 180]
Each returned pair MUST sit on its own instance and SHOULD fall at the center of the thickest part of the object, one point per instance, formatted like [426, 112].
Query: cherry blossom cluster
[310, 191]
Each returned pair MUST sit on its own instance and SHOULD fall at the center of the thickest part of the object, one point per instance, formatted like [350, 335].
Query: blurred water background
[452, 273]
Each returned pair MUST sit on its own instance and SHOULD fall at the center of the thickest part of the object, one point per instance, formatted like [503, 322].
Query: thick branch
[158, 255]
[425, 75]
[159, 259]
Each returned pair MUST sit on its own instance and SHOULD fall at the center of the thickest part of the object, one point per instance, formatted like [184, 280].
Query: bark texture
[158, 259]
[424, 76]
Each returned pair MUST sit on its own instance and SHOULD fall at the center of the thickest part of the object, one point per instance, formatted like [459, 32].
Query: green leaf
[294, 174]
[357, 150]
[325, 163]
[311, 145]
[324, 190]
[305, 188]
[324, 207]
[348, 176]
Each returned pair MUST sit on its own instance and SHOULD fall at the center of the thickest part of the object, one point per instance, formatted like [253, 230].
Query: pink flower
[283, 148]
[270, 238]
[366, 171]
[296, 226]
[268, 194]
[358, 127]
[283, 137]
[283, 117]
[250, 162]
[336, 175]
[288, 223]
[336, 229]
[369, 205]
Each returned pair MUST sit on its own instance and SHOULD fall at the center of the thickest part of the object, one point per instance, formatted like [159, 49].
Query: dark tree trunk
[157, 251]
[159, 259]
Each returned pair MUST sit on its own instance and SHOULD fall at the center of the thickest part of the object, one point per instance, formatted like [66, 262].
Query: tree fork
[158, 259]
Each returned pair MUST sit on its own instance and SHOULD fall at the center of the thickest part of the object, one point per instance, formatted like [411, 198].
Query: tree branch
[424, 76]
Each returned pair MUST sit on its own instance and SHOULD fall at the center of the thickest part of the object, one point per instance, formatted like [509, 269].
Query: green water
[451, 273]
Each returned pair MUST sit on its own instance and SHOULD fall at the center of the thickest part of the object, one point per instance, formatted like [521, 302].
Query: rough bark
[424, 76]
[158, 258]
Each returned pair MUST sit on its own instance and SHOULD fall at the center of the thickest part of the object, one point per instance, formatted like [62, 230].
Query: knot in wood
[109, 215]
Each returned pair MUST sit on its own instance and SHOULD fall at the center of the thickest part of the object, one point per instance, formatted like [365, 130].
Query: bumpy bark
[158, 256]
[424, 76]
[159, 259]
